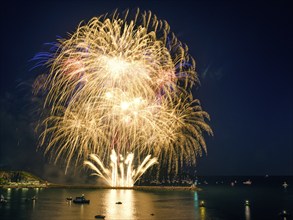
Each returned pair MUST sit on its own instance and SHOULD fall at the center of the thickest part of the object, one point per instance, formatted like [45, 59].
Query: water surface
[222, 202]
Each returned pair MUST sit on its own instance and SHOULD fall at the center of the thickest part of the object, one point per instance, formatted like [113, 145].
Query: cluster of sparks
[121, 85]
[118, 176]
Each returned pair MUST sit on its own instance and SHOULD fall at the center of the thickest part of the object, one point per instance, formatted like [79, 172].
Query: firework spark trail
[113, 178]
[122, 83]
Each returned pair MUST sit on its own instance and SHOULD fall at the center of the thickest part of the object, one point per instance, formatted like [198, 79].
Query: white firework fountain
[122, 173]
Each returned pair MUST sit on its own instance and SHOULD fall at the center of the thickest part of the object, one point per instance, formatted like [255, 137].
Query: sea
[219, 198]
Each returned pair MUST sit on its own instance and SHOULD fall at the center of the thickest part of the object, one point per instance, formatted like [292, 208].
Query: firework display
[121, 85]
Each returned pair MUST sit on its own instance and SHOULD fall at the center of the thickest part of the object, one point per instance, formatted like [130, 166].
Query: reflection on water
[118, 210]
[81, 210]
[219, 203]
[247, 212]
[8, 193]
[34, 204]
[202, 211]
[195, 200]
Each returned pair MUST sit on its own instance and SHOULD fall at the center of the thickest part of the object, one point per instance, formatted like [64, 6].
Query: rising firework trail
[121, 83]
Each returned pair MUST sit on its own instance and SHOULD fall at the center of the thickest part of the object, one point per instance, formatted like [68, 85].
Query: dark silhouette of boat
[100, 216]
[3, 200]
[81, 200]
[119, 203]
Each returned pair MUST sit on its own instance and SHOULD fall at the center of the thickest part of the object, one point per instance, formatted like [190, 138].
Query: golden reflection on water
[81, 211]
[8, 193]
[126, 210]
[247, 213]
[202, 212]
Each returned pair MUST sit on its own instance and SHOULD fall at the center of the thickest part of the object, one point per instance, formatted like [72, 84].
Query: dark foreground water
[267, 198]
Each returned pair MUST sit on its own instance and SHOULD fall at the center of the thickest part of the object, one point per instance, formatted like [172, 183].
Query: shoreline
[143, 188]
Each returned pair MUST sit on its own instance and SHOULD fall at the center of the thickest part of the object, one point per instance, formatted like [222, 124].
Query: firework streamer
[121, 83]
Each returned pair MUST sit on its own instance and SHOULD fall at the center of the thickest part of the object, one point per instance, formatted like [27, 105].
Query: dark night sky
[244, 59]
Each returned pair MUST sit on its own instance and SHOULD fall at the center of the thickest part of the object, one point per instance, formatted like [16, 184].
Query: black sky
[244, 59]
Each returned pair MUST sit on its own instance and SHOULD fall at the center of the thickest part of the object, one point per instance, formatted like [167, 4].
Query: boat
[248, 182]
[285, 185]
[100, 216]
[201, 204]
[3, 200]
[284, 214]
[119, 203]
[81, 200]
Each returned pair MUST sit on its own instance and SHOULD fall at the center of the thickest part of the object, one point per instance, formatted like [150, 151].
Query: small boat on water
[100, 216]
[284, 214]
[119, 203]
[3, 200]
[247, 182]
[285, 185]
[202, 204]
[81, 200]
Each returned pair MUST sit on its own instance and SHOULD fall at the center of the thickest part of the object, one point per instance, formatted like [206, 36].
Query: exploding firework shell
[122, 83]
